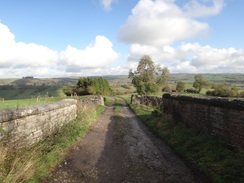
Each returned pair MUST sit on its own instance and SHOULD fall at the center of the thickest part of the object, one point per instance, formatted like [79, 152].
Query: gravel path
[121, 149]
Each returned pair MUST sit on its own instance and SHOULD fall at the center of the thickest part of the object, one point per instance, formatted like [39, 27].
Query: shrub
[191, 90]
[125, 86]
[223, 90]
[241, 94]
[167, 89]
[180, 86]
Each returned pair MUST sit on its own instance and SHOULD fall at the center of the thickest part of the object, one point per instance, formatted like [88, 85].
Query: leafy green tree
[98, 86]
[180, 86]
[148, 78]
[67, 91]
[82, 85]
[199, 83]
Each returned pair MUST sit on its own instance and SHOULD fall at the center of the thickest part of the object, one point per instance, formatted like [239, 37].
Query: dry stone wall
[219, 117]
[98, 100]
[146, 100]
[28, 125]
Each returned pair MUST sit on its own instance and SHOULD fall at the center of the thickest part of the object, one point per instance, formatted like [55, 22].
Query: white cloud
[155, 24]
[162, 22]
[39, 72]
[98, 54]
[191, 58]
[209, 59]
[20, 54]
[107, 4]
[19, 59]
[6, 37]
[196, 9]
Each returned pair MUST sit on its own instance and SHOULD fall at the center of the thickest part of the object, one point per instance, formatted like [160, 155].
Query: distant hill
[46, 81]
[11, 89]
[33, 87]
[230, 78]
[112, 77]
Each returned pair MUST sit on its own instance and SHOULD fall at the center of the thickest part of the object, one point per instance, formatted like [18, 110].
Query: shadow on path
[121, 149]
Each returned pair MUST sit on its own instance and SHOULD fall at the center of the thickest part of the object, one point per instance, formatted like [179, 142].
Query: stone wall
[219, 117]
[98, 100]
[31, 124]
[146, 100]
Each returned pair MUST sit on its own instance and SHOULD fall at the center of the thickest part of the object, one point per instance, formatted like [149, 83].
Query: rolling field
[34, 101]
[15, 89]
[26, 102]
[233, 79]
[30, 92]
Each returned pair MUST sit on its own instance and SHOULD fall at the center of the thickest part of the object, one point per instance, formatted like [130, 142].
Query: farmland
[26, 88]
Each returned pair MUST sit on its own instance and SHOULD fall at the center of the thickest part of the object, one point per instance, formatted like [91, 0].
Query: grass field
[30, 92]
[26, 102]
[231, 79]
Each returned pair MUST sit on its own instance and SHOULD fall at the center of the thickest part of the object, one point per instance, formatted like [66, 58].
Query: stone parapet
[31, 124]
[146, 100]
[21, 112]
[219, 117]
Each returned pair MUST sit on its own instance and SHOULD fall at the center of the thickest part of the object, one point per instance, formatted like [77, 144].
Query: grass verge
[118, 106]
[34, 164]
[107, 100]
[119, 121]
[213, 157]
[127, 98]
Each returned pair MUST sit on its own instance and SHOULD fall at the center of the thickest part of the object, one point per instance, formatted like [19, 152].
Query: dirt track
[121, 149]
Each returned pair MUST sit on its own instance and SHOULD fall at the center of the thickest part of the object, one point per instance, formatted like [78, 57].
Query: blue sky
[58, 38]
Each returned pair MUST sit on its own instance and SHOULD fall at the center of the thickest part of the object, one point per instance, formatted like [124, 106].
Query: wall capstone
[21, 112]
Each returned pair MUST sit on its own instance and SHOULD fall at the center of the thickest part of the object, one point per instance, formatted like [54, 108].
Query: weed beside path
[35, 163]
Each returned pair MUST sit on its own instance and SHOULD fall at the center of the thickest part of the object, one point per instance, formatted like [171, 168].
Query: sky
[62, 38]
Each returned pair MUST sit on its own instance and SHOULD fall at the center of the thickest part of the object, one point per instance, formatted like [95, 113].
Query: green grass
[127, 98]
[26, 102]
[107, 100]
[35, 163]
[119, 120]
[118, 106]
[213, 157]
[30, 92]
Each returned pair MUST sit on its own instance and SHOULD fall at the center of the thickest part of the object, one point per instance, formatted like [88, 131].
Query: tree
[199, 83]
[98, 86]
[82, 85]
[67, 91]
[148, 78]
[180, 86]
